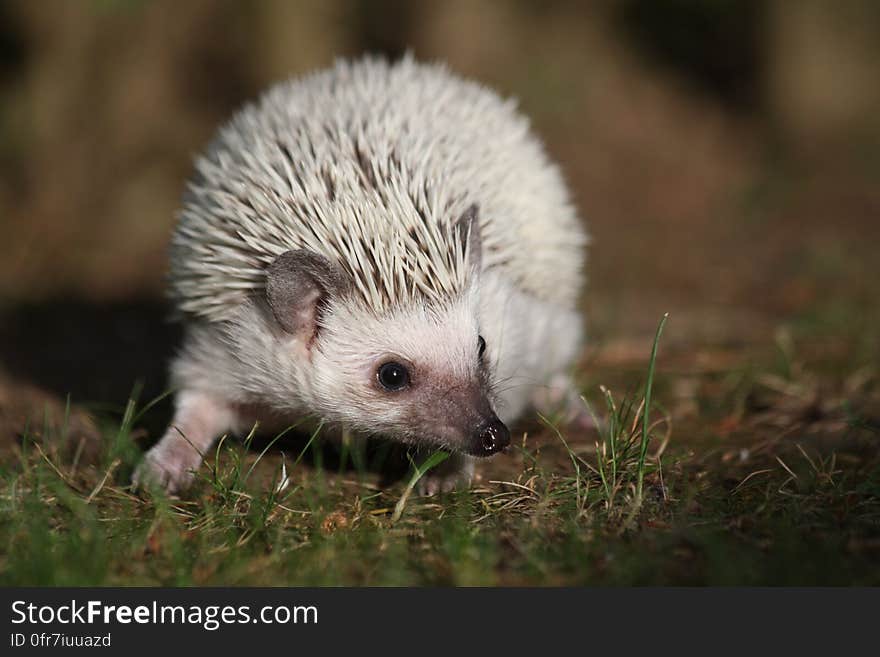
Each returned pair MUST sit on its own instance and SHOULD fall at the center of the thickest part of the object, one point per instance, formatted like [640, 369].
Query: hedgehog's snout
[492, 437]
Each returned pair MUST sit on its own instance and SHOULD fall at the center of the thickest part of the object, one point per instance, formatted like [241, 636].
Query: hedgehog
[382, 245]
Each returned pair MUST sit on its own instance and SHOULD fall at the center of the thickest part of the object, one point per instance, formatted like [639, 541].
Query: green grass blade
[646, 412]
[431, 462]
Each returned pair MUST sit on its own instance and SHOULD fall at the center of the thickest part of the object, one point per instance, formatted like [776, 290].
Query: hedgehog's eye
[481, 346]
[393, 376]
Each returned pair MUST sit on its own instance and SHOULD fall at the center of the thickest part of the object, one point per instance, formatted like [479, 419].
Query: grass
[758, 488]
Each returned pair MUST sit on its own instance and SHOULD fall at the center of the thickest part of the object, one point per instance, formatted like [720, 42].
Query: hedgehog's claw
[169, 472]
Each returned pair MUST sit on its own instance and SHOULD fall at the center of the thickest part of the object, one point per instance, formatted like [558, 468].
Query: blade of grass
[647, 410]
[572, 456]
[143, 411]
[431, 462]
[259, 458]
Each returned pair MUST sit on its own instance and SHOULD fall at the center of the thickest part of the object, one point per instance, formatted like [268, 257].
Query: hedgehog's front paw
[457, 471]
[168, 467]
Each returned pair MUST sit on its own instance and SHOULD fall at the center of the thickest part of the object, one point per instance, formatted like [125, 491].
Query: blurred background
[725, 155]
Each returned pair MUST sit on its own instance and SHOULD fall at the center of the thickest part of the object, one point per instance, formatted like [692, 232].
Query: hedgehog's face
[419, 374]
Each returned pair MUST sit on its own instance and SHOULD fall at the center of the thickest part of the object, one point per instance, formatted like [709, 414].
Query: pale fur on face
[335, 376]
[438, 345]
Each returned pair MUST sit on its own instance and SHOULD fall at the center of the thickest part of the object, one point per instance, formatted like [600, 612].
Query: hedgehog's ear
[296, 283]
[468, 227]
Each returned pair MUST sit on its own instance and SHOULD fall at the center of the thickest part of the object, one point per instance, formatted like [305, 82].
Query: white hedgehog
[384, 246]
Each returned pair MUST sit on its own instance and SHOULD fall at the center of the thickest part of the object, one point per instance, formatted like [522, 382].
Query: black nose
[493, 437]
